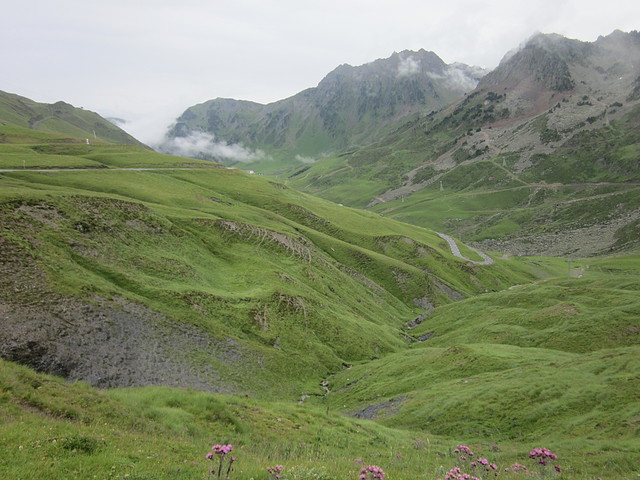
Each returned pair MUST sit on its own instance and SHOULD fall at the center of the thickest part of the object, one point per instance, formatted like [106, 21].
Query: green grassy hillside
[211, 306]
[478, 388]
[55, 430]
[582, 186]
[262, 282]
[555, 362]
[59, 118]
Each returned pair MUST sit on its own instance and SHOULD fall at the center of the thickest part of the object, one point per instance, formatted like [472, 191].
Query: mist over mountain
[350, 108]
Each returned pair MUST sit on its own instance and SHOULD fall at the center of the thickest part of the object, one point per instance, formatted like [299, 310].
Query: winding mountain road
[455, 250]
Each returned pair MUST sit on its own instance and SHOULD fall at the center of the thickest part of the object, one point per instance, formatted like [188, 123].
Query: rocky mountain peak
[541, 63]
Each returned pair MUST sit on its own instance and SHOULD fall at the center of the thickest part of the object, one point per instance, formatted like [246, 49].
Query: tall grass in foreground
[57, 431]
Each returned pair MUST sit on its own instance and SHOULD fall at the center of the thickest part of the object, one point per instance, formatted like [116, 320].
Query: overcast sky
[148, 60]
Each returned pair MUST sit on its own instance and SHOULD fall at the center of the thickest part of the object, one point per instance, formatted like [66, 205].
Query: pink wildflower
[375, 472]
[221, 451]
[516, 467]
[543, 453]
[456, 474]
[276, 470]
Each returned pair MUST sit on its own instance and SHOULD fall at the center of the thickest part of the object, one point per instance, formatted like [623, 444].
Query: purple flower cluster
[517, 468]
[542, 455]
[482, 468]
[488, 467]
[221, 451]
[456, 474]
[464, 452]
[372, 471]
[275, 472]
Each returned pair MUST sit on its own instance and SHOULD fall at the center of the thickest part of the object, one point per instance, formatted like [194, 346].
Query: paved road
[89, 169]
[456, 251]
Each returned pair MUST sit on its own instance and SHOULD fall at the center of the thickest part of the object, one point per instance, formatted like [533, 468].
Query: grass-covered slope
[54, 430]
[134, 269]
[586, 189]
[206, 277]
[569, 383]
[60, 430]
[58, 118]
[555, 362]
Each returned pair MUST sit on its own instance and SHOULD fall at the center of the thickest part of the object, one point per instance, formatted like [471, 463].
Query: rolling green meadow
[305, 333]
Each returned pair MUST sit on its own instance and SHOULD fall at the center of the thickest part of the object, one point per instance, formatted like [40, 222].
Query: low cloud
[204, 145]
[408, 66]
[463, 78]
[460, 77]
[304, 159]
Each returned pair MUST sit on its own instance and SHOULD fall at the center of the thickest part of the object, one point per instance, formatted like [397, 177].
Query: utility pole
[569, 262]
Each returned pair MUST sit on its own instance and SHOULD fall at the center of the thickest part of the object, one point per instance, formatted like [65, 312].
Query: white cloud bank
[460, 76]
[204, 145]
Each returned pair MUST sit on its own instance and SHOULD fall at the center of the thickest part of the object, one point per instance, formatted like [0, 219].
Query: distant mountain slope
[61, 118]
[350, 107]
[549, 142]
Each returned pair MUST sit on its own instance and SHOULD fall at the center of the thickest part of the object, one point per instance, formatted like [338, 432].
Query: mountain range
[351, 107]
[549, 133]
